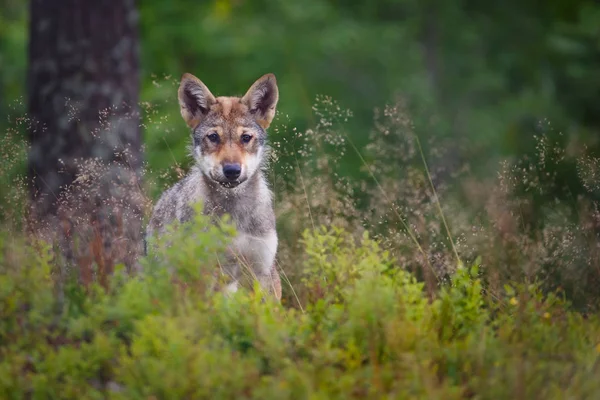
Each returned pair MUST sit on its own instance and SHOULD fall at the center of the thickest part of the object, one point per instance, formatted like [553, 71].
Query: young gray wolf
[230, 152]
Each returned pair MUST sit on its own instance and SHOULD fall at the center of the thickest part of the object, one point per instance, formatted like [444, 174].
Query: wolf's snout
[232, 171]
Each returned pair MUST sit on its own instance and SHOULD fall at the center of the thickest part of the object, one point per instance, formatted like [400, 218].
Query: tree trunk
[85, 158]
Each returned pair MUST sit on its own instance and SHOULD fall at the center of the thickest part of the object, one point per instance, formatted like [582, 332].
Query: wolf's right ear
[195, 99]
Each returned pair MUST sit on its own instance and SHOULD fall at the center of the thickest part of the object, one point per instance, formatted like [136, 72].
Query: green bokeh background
[488, 71]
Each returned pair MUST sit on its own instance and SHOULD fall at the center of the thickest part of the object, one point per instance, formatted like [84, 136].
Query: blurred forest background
[487, 73]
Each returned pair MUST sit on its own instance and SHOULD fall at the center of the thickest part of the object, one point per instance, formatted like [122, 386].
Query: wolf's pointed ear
[262, 98]
[194, 99]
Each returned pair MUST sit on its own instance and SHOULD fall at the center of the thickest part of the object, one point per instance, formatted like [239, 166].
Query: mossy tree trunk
[85, 158]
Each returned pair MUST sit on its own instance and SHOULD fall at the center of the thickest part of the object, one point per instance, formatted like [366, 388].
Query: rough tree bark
[85, 158]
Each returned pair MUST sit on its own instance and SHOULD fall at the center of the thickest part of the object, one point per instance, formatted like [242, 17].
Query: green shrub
[368, 330]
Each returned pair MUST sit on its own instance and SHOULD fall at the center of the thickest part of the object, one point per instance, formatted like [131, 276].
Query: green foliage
[485, 73]
[369, 330]
[356, 324]
[461, 307]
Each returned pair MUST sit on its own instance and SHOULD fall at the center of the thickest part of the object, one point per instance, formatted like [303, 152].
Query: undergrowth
[369, 331]
[416, 279]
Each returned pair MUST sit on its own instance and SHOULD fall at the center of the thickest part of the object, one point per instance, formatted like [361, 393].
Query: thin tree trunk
[85, 159]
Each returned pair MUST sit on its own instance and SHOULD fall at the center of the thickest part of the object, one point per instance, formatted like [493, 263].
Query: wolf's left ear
[262, 98]
[195, 99]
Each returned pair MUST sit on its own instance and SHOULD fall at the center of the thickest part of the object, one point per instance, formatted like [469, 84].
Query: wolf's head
[229, 133]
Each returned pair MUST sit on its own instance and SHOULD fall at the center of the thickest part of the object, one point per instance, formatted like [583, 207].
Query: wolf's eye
[213, 137]
[246, 138]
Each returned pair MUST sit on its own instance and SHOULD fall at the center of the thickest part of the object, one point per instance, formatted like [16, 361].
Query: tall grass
[524, 223]
[411, 280]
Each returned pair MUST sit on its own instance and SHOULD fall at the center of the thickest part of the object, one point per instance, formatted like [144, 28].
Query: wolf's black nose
[232, 171]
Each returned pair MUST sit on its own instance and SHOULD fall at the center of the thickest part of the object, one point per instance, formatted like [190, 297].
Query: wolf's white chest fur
[257, 251]
[252, 251]
[254, 255]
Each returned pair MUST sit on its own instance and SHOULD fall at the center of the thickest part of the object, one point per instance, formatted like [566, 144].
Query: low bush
[367, 329]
